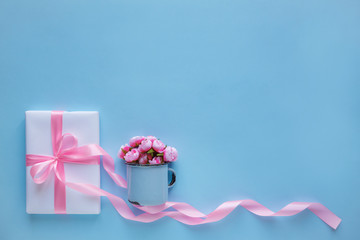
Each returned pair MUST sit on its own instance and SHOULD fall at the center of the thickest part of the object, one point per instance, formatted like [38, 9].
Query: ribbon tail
[67, 145]
[108, 164]
[60, 190]
[188, 215]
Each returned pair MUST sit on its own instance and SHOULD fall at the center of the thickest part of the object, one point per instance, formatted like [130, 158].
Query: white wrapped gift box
[40, 197]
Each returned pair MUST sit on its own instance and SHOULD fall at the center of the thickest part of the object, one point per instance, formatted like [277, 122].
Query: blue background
[261, 99]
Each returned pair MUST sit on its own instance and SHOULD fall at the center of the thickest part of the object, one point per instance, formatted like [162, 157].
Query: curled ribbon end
[336, 223]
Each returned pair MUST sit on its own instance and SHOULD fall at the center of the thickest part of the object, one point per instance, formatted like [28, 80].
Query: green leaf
[150, 151]
[160, 154]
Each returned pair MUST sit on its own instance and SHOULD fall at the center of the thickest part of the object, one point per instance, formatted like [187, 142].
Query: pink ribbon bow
[65, 150]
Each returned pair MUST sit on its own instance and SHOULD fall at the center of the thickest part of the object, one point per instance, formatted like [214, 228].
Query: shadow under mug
[148, 184]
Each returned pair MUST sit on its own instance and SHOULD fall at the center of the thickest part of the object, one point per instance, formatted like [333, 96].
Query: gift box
[40, 198]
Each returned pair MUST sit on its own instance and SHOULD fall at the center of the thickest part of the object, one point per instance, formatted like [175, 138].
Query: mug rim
[145, 165]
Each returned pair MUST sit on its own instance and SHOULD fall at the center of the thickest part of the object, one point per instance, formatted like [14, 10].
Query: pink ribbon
[66, 150]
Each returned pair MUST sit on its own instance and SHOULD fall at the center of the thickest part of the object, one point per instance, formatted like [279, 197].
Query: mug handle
[173, 178]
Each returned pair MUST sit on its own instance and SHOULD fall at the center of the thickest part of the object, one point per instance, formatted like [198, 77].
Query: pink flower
[145, 145]
[147, 150]
[143, 158]
[123, 150]
[135, 141]
[158, 146]
[132, 156]
[170, 154]
[151, 138]
[155, 160]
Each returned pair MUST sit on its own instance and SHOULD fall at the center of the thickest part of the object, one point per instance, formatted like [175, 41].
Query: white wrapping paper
[40, 197]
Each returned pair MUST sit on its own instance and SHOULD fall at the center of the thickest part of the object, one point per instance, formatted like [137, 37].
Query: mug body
[147, 184]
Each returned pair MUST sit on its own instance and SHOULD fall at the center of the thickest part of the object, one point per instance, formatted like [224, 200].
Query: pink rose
[143, 158]
[132, 156]
[145, 145]
[135, 141]
[149, 156]
[123, 150]
[158, 146]
[151, 138]
[170, 154]
[155, 160]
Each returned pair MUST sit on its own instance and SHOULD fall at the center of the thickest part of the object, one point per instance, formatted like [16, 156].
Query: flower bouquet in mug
[147, 161]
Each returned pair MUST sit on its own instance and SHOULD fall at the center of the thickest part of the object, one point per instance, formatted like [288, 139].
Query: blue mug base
[144, 205]
[135, 203]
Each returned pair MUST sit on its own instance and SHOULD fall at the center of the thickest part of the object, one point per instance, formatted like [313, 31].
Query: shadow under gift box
[148, 184]
[40, 197]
